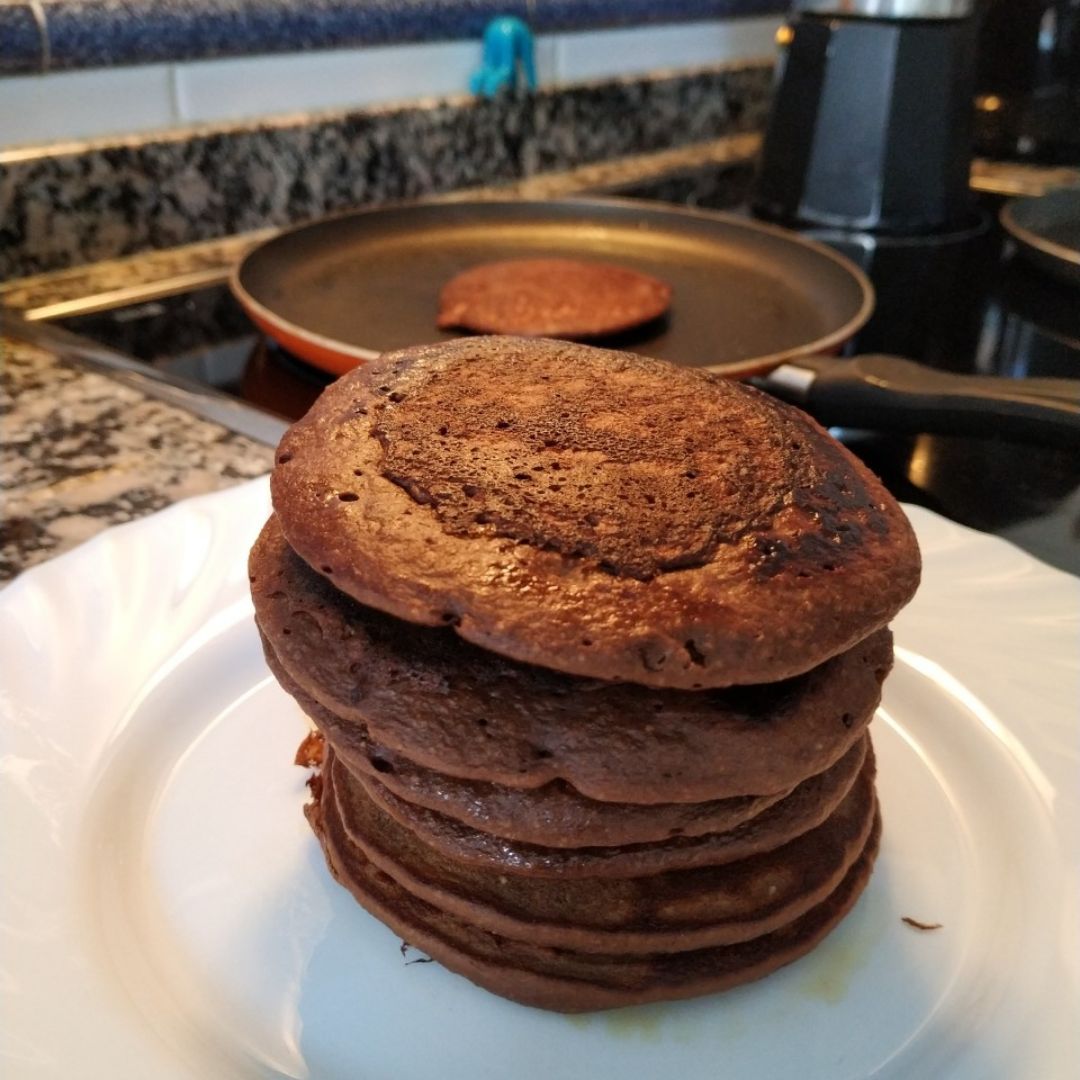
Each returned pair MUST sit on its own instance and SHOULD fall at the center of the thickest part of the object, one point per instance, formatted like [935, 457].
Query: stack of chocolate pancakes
[593, 643]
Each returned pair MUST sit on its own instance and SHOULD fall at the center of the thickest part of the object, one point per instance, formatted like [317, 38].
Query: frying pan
[347, 288]
[1047, 230]
[748, 298]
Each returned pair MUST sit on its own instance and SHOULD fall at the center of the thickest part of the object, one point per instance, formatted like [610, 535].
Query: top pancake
[598, 513]
[564, 298]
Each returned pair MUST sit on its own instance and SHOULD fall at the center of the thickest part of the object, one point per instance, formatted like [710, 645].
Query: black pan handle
[894, 394]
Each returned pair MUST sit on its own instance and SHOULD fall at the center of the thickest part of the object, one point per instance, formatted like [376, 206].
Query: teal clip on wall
[507, 59]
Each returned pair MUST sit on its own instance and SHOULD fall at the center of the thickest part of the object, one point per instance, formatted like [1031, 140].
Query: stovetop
[963, 303]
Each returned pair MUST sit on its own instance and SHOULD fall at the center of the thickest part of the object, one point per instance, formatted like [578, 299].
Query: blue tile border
[22, 46]
[101, 33]
[548, 16]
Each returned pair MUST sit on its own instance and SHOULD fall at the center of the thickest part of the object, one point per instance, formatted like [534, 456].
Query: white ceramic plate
[166, 912]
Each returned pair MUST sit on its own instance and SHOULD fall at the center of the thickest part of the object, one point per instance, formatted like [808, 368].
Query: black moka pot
[871, 123]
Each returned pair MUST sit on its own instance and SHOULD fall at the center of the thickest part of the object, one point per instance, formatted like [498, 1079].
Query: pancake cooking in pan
[558, 298]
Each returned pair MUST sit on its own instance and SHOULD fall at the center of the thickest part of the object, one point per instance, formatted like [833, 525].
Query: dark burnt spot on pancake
[828, 524]
[772, 556]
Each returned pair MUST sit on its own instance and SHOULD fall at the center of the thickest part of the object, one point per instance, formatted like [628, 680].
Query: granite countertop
[36, 37]
[83, 451]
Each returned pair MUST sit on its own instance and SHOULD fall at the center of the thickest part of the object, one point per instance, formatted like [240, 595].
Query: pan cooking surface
[371, 280]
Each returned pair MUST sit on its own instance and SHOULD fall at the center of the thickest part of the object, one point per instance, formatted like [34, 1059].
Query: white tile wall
[83, 104]
[86, 104]
[252, 86]
[600, 54]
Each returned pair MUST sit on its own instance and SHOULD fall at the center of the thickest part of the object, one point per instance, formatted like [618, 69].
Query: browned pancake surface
[594, 512]
[451, 707]
[567, 980]
[559, 298]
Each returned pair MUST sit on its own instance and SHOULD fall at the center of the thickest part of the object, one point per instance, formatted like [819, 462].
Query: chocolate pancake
[598, 513]
[559, 298]
[554, 815]
[451, 707]
[563, 979]
[665, 912]
[805, 808]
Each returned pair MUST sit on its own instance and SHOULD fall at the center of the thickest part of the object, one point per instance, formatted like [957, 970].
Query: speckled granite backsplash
[100, 200]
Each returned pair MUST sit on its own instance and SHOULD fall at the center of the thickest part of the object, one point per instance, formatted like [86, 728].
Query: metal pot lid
[1046, 229]
[889, 9]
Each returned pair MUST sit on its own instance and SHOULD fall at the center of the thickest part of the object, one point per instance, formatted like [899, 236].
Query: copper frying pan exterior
[746, 296]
